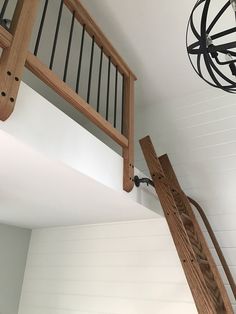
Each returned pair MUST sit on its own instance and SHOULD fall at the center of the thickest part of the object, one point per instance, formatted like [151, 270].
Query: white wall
[198, 133]
[59, 152]
[114, 268]
[14, 243]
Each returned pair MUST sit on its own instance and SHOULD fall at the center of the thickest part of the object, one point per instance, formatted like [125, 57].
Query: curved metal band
[200, 48]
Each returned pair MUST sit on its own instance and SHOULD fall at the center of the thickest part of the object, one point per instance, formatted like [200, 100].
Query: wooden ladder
[204, 280]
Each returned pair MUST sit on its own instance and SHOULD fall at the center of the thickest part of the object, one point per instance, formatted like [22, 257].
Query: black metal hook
[138, 180]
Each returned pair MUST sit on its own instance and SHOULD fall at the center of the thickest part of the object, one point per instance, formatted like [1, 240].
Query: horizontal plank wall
[118, 268]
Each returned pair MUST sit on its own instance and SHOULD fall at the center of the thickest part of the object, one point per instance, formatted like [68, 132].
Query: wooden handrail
[216, 245]
[15, 56]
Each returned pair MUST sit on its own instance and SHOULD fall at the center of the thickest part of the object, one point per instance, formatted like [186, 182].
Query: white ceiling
[150, 35]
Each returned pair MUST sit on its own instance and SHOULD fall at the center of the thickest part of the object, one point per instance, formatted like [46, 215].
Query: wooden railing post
[128, 131]
[13, 57]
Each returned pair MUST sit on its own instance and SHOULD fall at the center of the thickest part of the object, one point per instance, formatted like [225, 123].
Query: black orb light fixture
[211, 42]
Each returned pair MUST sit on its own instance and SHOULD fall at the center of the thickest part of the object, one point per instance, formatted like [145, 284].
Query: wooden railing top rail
[93, 29]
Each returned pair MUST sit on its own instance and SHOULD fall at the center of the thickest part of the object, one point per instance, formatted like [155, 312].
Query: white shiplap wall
[114, 268]
[198, 132]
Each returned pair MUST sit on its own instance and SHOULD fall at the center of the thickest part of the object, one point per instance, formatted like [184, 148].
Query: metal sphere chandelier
[211, 33]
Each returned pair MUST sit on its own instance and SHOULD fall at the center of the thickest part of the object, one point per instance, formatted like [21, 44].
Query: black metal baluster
[115, 101]
[4, 7]
[69, 46]
[40, 28]
[80, 59]
[108, 88]
[56, 35]
[123, 104]
[99, 80]
[90, 70]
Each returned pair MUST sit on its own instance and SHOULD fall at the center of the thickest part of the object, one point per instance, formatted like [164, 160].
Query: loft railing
[103, 87]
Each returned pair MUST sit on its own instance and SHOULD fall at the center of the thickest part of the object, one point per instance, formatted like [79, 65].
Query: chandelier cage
[214, 62]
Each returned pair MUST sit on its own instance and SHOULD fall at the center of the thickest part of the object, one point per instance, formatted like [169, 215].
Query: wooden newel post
[128, 131]
[13, 58]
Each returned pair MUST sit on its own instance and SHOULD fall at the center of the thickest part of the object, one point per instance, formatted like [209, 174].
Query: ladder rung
[186, 217]
[203, 261]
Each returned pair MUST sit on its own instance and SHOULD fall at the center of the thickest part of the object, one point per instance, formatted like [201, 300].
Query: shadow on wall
[14, 245]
